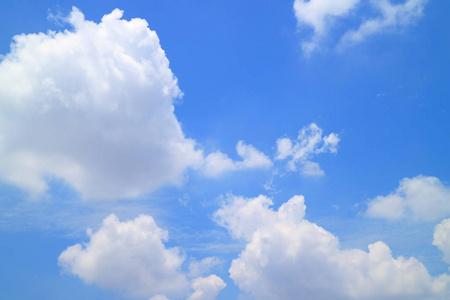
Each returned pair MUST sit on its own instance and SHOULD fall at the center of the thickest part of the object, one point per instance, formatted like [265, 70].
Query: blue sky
[183, 135]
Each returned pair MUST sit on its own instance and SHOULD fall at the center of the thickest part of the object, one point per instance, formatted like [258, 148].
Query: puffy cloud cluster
[321, 14]
[442, 238]
[206, 288]
[93, 106]
[288, 257]
[131, 256]
[128, 256]
[310, 142]
[421, 198]
[217, 163]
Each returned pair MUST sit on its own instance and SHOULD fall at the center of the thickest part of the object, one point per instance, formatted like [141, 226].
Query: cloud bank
[421, 198]
[377, 17]
[288, 257]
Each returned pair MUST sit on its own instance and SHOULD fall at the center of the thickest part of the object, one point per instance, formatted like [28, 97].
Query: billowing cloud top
[287, 257]
[128, 256]
[206, 288]
[92, 106]
[131, 256]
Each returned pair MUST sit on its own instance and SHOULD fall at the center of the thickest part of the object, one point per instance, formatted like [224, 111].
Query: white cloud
[310, 168]
[217, 163]
[93, 106]
[310, 143]
[198, 268]
[421, 198]
[131, 257]
[128, 256]
[322, 14]
[288, 257]
[319, 14]
[159, 297]
[442, 238]
[392, 16]
[242, 216]
[207, 288]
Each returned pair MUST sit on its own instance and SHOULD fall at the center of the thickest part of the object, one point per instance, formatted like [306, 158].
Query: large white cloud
[420, 198]
[322, 14]
[310, 143]
[128, 256]
[288, 257]
[93, 106]
[441, 238]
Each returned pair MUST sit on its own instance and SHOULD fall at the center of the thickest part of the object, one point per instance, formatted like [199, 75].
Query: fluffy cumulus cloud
[310, 142]
[206, 288]
[218, 163]
[93, 106]
[442, 238]
[131, 257]
[320, 15]
[128, 256]
[288, 257]
[421, 198]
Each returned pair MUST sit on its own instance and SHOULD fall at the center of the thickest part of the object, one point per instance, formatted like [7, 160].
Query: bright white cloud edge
[218, 163]
[131, 257]
[287, 257]
[441, 238]
[421, 198]
[310, 143]
[94, 107]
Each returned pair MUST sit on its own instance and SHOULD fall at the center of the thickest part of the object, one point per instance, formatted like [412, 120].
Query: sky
[224, 149]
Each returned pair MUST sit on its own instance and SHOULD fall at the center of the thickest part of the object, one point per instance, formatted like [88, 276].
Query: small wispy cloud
[321, 15]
